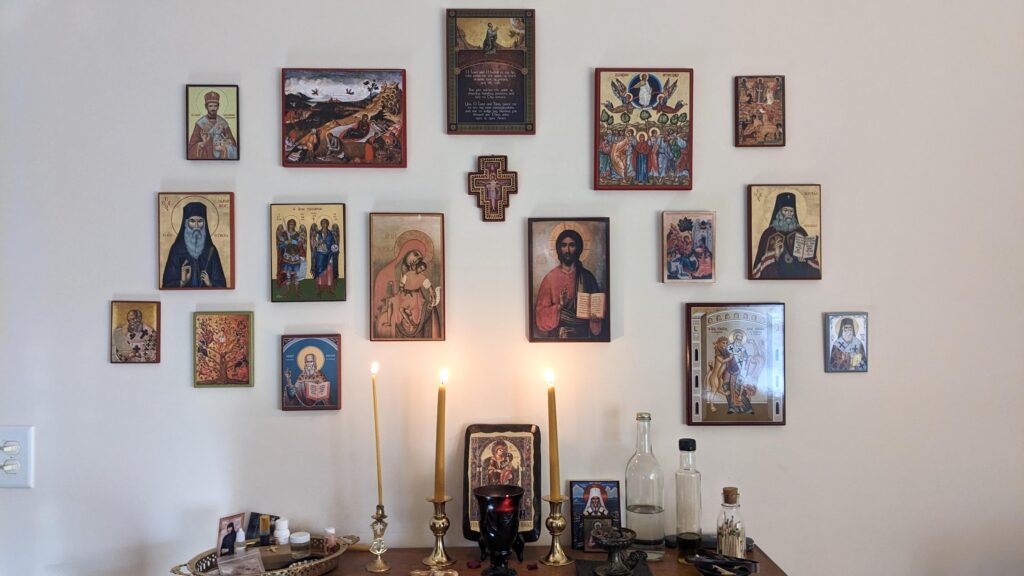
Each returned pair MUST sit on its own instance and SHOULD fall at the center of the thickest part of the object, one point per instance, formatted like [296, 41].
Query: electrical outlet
[17, 456]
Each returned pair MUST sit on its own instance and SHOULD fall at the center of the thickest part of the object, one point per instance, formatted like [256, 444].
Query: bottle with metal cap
[687, 501]
[645, 487]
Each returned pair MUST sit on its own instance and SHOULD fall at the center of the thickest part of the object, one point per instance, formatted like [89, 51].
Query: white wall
[907, 113]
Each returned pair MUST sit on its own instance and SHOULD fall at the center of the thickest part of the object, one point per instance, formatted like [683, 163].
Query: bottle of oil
[687, 501]
[645, 486]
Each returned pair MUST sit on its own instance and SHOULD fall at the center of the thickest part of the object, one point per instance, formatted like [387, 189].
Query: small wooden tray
[205, 564]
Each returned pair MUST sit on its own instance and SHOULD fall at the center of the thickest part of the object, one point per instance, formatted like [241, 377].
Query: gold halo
[583, 231]
[212, 215]
[415, 235]
[199, 100]
[512, 449]
[318, 354]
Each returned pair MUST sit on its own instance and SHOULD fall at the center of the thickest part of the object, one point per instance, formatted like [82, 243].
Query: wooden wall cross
[492, 183]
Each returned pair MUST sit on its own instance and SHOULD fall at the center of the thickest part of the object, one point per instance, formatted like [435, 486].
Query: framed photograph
[134, 332]
[343, 118]
[307, 253]
[569, 280]
[643, 129]
[784, 224]
[592, 499]
[760, 111]
[211, 118]
[846, 341]
[226, 533]
[736, 364]
[503, 454]
[591, 523]
[197, 240]
[221, 349]
[406, 276]
[311, 372]
[491, 73]
[688, 246]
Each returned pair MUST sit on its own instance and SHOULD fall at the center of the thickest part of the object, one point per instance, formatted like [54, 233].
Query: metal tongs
[714, 564]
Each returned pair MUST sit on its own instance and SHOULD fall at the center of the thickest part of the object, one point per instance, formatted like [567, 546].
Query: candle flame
[549, 377]
[374, 368]
[443, 375]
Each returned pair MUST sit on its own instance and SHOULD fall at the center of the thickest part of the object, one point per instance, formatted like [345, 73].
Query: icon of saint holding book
[785, 250]
[570, 302]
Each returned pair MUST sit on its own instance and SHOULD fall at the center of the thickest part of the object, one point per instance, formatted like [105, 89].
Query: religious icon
[592, 499]
[846, 342]
[222, 349]
[643, 129]
[736, 363]
[227, 532]
[407, 276]
[211, 113]
[343, 117]
[492, 184]
[688, 246]
[307, 252]
[196, 240]
[491, 77]
[784, 222]
[311, 372]
[503, 454]
[569, 277]
[134, 332]
[760, 111]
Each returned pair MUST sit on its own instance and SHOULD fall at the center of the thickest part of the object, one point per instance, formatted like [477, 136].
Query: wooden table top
[404, 560]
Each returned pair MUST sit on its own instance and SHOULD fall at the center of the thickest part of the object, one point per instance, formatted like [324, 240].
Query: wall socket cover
[24, 436]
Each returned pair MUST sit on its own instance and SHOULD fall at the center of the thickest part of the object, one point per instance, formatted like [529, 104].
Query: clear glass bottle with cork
[687, 501]
[732, 534]
[645, 487]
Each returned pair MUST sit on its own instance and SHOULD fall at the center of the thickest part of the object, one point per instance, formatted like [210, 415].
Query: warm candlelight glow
[374, 368]
[443, 375]
[549, 377]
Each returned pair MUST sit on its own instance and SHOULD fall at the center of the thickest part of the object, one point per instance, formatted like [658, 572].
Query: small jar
[330, 537]
[732, 534]
[300, 545]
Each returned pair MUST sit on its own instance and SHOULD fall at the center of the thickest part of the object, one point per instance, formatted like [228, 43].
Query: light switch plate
[25, 457]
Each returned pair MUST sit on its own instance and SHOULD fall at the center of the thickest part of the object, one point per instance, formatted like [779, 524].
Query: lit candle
[556, 490]
[439, 452]
[376, 432]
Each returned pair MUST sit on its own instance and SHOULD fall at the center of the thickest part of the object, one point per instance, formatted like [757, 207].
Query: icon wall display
[211, 120]
[343, 118]
[307, 253]
[846, 341]
[593, 501]
[784, 224]
[493, 184]
[311, 372]
[643, 129]
[222, 349]
[569, 280]
[491, 72]
[736, 363]
[407, 281]
[196, 240]
[760, 111]
[134, 332]
[502, 454]
[688, 244]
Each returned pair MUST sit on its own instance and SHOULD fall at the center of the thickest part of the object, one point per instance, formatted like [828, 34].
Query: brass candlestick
[439, 526]
[556, 525]
[377, 547]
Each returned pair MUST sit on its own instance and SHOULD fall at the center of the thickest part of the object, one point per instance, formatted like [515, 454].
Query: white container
[281, 532]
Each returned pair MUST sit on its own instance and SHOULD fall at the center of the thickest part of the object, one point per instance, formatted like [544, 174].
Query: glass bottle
[687, 501]
[732, 535]
[645, 486]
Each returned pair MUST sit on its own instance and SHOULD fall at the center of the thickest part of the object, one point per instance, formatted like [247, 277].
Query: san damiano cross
[492, 183]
